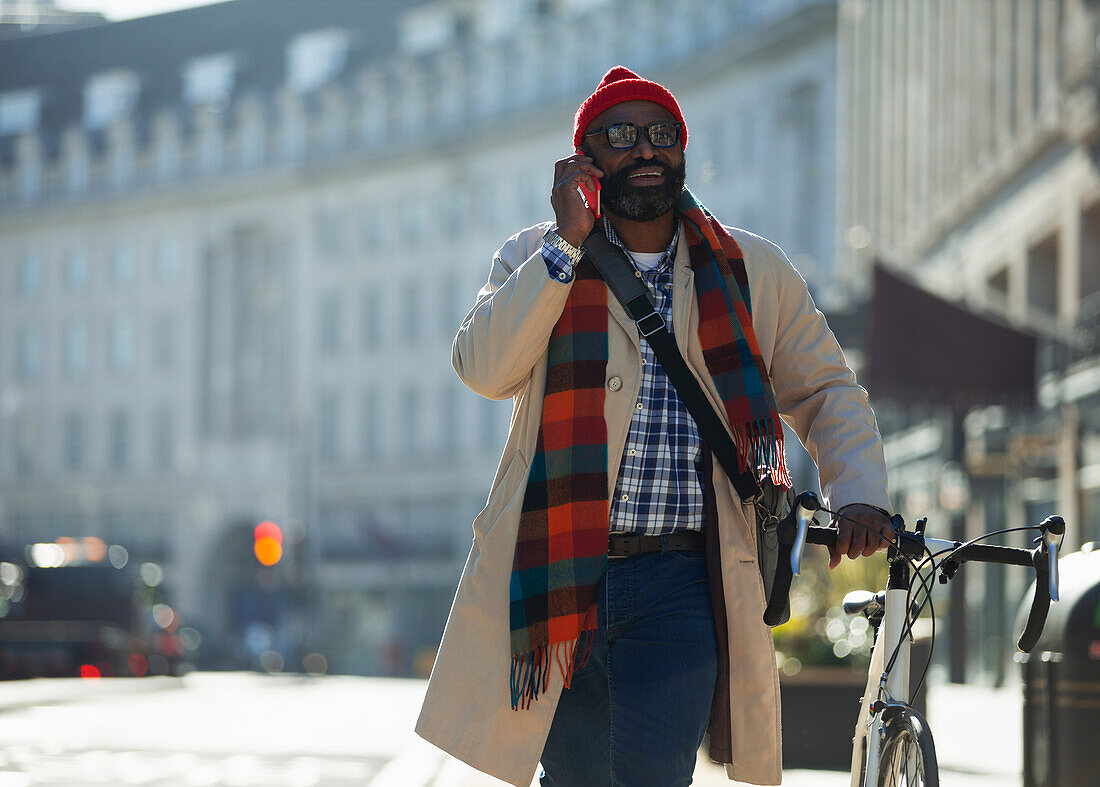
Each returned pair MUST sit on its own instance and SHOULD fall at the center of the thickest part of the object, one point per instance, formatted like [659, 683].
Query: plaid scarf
[561, 545]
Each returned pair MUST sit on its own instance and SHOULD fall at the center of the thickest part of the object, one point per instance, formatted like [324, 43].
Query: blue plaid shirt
[660, 485]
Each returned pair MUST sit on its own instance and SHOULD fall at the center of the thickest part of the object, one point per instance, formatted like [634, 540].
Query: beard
[643, 203]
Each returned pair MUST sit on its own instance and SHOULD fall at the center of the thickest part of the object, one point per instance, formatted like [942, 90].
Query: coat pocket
[506, 497]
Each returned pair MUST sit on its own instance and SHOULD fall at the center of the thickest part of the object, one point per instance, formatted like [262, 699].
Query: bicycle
[895, 747]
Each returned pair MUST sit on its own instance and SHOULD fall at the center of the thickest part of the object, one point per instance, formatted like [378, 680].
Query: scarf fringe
[531, 670]
[760, 447]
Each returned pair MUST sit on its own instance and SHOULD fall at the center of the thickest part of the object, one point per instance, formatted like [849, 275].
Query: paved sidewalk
[978, 730]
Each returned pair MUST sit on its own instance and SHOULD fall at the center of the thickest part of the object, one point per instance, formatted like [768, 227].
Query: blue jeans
[636, 714]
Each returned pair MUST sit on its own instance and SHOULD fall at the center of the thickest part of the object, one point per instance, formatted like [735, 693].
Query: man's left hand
[861, 530]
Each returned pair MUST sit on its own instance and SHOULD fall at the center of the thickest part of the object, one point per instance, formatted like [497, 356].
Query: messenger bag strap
[625, 281]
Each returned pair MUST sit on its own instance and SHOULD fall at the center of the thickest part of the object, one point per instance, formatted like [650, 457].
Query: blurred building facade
[34, 17]
[237, 243]
[970, 163]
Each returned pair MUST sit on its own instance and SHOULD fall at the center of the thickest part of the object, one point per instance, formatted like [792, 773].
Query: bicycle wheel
[908, 756]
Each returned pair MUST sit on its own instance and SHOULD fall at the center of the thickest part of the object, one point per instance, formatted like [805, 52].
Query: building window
[370, 319]
[122, 264]
[328, 229]
[164, 448]
[411, 317]
[28, 352]
[109, 96]
[19, 111]
[72, 450]
[123, 341]
[315, 57]
[30, 275]
[328, 314]
[411, 420]
[76, 350]
[370, 443]
[76, 270]
[328, 428]
[209, 79]
[166, 260]
[371, 229]
[118, 432]
[164, 343]
[414, 222]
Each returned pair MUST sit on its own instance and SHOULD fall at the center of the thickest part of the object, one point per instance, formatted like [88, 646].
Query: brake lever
[1046, 587]
[805, 505]
[1053, 528]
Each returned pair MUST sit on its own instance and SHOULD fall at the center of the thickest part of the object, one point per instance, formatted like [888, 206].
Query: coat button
[614, 384]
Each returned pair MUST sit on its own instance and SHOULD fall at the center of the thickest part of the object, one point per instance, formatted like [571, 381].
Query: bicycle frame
[894, 681]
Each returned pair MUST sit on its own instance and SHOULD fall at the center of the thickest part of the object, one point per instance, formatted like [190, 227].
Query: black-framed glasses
[623, 136]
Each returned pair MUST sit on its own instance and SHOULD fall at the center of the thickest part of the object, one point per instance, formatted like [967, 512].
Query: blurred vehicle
[80, 608]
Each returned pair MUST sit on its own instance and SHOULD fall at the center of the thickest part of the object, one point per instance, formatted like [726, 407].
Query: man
[611, 604]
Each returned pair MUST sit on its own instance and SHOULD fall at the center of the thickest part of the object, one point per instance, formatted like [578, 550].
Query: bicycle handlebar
[795, 532]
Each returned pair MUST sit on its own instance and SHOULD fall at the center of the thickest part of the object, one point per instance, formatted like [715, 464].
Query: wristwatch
[560, 243]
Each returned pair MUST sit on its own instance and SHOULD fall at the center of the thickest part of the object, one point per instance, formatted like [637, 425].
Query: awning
[922, 349]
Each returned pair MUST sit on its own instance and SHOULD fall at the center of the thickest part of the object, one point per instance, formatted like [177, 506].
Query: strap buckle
[647, 332]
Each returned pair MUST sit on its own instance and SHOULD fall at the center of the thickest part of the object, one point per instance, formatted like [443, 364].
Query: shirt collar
[666, 258]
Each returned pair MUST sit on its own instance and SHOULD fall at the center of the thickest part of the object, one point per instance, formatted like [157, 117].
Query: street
[335, 731]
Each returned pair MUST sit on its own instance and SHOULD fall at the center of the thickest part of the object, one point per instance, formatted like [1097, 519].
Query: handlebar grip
[1040, 604]
[823, 535]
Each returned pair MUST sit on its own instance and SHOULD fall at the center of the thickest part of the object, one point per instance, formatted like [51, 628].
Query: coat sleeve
[507, 331]
[817, 393]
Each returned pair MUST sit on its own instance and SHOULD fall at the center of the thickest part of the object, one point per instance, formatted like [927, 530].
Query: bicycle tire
[908, 754]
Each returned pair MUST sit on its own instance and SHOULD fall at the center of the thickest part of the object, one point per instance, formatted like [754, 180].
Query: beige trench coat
[500, 352]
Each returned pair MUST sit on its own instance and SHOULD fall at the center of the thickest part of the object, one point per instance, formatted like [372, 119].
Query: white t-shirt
[646, 260]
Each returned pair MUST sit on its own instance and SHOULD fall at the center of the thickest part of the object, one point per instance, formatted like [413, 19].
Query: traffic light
[268, 543]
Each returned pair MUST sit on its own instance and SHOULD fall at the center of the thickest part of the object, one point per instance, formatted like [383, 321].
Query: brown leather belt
[631, 544]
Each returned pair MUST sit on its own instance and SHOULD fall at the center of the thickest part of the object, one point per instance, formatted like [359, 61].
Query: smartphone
[591, 198]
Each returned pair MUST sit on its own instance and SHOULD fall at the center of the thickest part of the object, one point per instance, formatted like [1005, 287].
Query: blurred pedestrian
[611, 606]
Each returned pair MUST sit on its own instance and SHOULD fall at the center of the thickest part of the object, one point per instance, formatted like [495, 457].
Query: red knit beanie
[618, 85]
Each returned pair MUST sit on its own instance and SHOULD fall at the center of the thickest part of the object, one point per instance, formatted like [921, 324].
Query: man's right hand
[573, 217]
